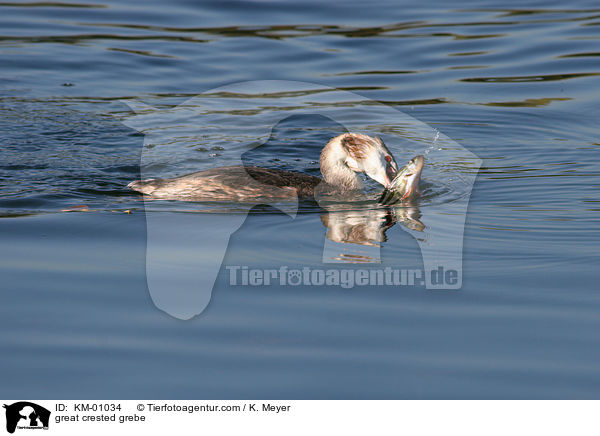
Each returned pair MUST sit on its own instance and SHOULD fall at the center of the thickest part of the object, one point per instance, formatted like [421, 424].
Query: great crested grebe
[341, 159]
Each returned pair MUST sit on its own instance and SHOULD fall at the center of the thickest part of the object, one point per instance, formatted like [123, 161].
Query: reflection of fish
[409, 217]
[406, 183]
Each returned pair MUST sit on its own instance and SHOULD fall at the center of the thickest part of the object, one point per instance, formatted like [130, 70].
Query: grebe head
[351, 153]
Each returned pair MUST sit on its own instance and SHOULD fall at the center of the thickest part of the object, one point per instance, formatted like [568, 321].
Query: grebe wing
[233, 183]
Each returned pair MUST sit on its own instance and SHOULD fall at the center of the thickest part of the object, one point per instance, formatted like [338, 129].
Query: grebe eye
[388, 159]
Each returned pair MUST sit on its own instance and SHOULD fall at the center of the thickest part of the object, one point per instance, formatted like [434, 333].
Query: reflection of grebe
[341, 159]
[368, 226]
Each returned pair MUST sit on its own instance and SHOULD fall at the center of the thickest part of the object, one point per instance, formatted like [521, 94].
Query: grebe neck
[334, 169]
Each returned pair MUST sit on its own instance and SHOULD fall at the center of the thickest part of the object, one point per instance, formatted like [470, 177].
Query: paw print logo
[184, 251]
[294, 277]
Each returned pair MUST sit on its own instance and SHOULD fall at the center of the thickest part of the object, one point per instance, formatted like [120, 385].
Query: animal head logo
[182, 266]
[25, 414]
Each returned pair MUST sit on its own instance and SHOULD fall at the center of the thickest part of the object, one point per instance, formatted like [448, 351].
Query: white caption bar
[264, 417]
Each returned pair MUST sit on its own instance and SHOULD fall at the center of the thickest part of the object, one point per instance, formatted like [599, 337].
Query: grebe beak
[390, 173]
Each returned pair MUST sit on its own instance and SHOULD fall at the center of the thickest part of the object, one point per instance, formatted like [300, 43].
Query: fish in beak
[405, 184]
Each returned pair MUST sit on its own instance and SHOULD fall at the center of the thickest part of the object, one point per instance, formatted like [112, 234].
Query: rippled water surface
[95, 95]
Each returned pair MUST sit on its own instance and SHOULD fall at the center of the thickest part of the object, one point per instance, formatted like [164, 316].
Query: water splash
[433, 143]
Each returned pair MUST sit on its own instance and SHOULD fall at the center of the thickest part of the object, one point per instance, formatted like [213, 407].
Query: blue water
[516, 85]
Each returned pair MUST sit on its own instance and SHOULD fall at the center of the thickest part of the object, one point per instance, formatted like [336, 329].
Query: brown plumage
[233, 183]
[355, 146]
